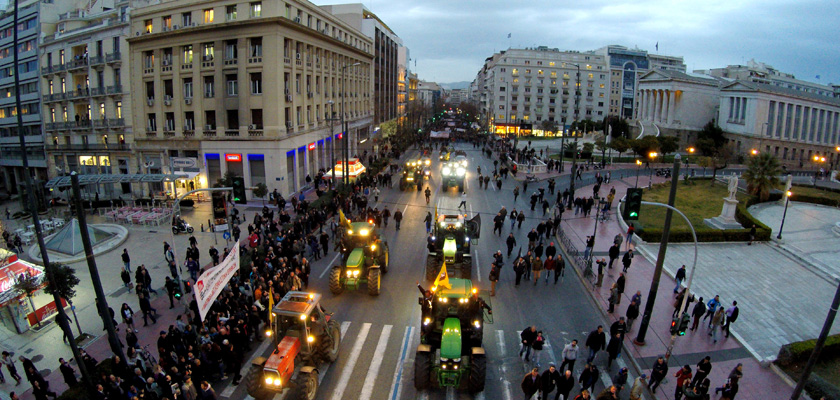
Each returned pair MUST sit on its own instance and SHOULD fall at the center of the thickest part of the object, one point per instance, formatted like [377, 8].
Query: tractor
[412, 174]
[305, 337]
[452, 175]
[365, 258]
[452, 237]
[450, 353]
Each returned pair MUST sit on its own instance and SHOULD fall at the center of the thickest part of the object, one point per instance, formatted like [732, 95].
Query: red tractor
[305, 338]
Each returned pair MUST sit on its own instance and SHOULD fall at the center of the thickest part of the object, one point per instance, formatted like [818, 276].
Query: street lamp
[784, 214]
[652, 155]
[574, 152]
[332, 118]
[754, 152]
[638, 168]
[344, 122]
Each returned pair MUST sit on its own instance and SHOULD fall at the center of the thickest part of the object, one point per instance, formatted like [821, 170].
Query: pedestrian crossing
[377, 362]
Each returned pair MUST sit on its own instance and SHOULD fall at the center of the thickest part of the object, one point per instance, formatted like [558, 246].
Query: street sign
[183, 162]
[226, 235]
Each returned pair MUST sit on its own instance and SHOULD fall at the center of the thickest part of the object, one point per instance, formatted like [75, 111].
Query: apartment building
[523, 87]
[759, 72]
[86, 100]
[32, 15]
[257, 107]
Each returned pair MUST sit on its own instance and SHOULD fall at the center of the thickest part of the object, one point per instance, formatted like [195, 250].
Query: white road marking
[376, 363]
[351, 362]
[344, 326]
[396, 385]
[549, 350]
[477, 264]
[506, 393]
[450, 393]
[323, 372]
[329, 266]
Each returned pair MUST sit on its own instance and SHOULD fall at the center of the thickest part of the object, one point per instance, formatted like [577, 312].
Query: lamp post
[574, 153]
[344, 122]
[784, 214]
[652, 155]
[332, 119]
[638, 168]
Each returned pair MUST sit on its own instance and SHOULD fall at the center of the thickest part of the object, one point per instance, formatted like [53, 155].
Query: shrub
[800, 351]
[187, 203]
[817, 388]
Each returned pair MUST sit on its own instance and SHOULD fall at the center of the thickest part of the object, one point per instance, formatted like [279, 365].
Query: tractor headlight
[447, 171]
[349, 274]
[443, 366]
[456, 366]
[310, 338]
[364, 232]
[277, 382]
[457, 360]
[443, 360]
[477, 324]
[373, 247]
[457, 224]
[461, 171]
[303, 317]
[427, 321]
[443, 299]
[269, 381]
[467, 239]
[356, 273]
[268, 333]
[349, 231]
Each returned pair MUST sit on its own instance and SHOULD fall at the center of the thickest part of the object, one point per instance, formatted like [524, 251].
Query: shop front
[16, 313]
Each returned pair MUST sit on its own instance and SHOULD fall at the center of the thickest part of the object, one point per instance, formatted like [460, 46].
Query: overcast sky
[450, 39]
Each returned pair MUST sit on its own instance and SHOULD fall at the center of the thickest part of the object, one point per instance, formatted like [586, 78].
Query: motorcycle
[181, 228]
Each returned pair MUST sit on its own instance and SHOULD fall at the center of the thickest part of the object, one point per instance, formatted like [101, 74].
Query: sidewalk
[758, 383]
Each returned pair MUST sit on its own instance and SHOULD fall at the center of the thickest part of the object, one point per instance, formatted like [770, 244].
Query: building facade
[32, 15]
[86, 102]
[527, 86]
[261, 107]
[760, 72]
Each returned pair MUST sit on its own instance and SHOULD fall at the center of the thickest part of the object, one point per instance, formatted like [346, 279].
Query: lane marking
[376, 363]
[450, 393]
[344, 326]
[477, 264]
[351, 363]
[506, 393]
[329, 266]
[549, 350]
[396, 385]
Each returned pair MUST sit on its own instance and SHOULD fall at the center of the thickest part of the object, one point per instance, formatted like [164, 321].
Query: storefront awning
[64, 181]
[186, 174]
[10, 272]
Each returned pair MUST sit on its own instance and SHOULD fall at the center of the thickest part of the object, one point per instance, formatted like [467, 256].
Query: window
[208, 16]
[52, 114]
[231, 84]
[167, 22]
[61, 56]
[208, 86]
[117, 78]
[169, 122]
[64, 113]
[150, 90]
[51, 87]
[256, 47]
[186, 19]
[102, 110]
[188, 88]
[230, 50]
[167, 56]
[118, 109]
[208, 51]
[168, 89]
[189, 121]
[233, 119]
[210, 119]
[256, 83]
[151, 122]
[149, 59]
[188, 54]
[256, 10]
[148, 26]
[116, 44]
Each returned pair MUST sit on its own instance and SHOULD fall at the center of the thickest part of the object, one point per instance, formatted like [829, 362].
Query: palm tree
[762, 174]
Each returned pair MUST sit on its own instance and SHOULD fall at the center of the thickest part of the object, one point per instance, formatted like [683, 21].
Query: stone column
[672, 102]
[655, 113]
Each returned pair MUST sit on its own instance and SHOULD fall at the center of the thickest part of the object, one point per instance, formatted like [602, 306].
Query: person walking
[717, 321]
[613, 297]
[9, 362]
[171, 289]
[704, 367]
[679, 277]
[565, 384]
[146, 308]
[570, 355]
[531, 383]
[519, 269]
[511, 243]
[537, 345]
[711, 308]
[512, 216]
[520, 219]
[613, 349]
[731, 316]
[126, 260]
[660, 370]
[697, 313]
[590, 244]
[596, 341]
[619, 327]
[127, 315]
[68, 373]
[683, 376]
[515, 194]
[463, 200]
[495, 271]
[614, 252]
[537, 267]
[559, 268]
[427, 220]
[589, 377]
[632, 314]
[528, 335]
[620, 282]
[398, 216]
[549, 381]
[627, 259]
[638, 387]
[630, 231]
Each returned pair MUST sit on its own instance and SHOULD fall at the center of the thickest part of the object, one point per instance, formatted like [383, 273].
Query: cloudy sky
[449, 39]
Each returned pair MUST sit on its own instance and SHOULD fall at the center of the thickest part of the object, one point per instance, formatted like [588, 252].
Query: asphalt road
[380, 334]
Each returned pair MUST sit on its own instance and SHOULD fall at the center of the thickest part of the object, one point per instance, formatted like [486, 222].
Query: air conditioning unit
[168, 102]
[310, 95]
[188, 100]
[252, 127]
[288, 97]
[174, 27]
[298, 56]
[167, 62]
[297, 19]
[150, 101]
[288, 125]
[287, 91]
[208, 128]
[168, 98]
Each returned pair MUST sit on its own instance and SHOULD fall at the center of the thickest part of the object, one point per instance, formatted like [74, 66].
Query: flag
[343, 220]
[436, 216]
[657, 46]
[508, 35]
[443, 278]
[270, 304]
[818, 77]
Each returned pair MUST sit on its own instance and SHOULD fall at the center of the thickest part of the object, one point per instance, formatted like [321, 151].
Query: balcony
[189, 133]
[97, 91]
[256, 132]
[80, 124]
[254, 60]
[116, 122]
[78, 63]
[230, 62]
[150, 133]
[231, 132]
[187, 65]
[211, 132]
[169, 133]
[207, 62]
[97, 60]
[115, 89]
[115, 57]
[88, 146]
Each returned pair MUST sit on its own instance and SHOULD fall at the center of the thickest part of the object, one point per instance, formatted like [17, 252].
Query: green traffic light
[236, 199]
[634, 214]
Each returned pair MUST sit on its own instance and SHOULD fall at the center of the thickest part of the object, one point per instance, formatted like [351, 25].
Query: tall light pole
[784, 214]
[346, 135]
[638, 168]
[574, 152]
[332, 118]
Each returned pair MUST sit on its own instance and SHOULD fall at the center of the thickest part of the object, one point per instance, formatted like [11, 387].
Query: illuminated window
[148, 25]
[588, 66]
[516, 80]
[501, 116]
[553, 74]
[118, 109]
[591, 76]
[188, 54]
[167, 22]
[256, 10]
[540, 72]
[526, 117]
[513, 117]
[602, 86]
[515, 71]
[230, 13]
[208, 16]
[551, 64]
[102, 110]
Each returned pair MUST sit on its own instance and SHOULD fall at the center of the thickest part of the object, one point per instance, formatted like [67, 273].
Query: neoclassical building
[676, 103]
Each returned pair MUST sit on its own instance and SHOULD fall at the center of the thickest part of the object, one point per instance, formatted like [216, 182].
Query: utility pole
[574, 151]
[815, 355]
[344, 123]
[332, 139]
[660, 259]
[62, 319]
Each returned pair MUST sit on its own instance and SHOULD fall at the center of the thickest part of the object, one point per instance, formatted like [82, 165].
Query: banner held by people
[212, 281]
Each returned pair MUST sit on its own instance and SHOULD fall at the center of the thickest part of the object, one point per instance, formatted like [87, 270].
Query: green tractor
[365, 257]
[450, 353]
[412, 175]
[453, 175]
[452, 238]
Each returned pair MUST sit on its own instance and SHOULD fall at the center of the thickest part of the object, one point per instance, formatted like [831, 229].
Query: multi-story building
[760, 72]
[626, 66]
[34, 17]
[527, 86]
[386, 62]
[429, 94]
[297, 64]
[457, 96]
[86, 103]
[403, 71]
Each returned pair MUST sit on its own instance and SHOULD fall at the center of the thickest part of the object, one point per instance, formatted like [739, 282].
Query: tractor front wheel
[254, 383]
[478, 371]
[384, 258]
[373, 281]
[308, 385]
[422, 370]
[335, 340]
[431, 268]
[336, 286]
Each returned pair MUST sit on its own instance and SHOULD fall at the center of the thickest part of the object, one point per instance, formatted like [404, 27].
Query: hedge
[187, 203]
[800, 351]
[818, 388]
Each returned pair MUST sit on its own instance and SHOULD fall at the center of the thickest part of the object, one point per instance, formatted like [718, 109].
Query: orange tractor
[305, 338]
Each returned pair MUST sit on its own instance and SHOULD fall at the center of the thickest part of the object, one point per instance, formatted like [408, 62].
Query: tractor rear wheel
[335, 340]
[478, 371]
[254, 383]
[431, 268]
[307, 385]
[373, 281]
[384, 258]
[422, 370]
[336, 286]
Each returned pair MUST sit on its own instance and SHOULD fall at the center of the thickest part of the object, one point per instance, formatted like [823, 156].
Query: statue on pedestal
[733, 186]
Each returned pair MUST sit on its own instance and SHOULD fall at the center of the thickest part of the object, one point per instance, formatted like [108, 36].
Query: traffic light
[187, 286]
[177, 293]
[632, 204]
[675, 325]
[683, 324]
[239, 190]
